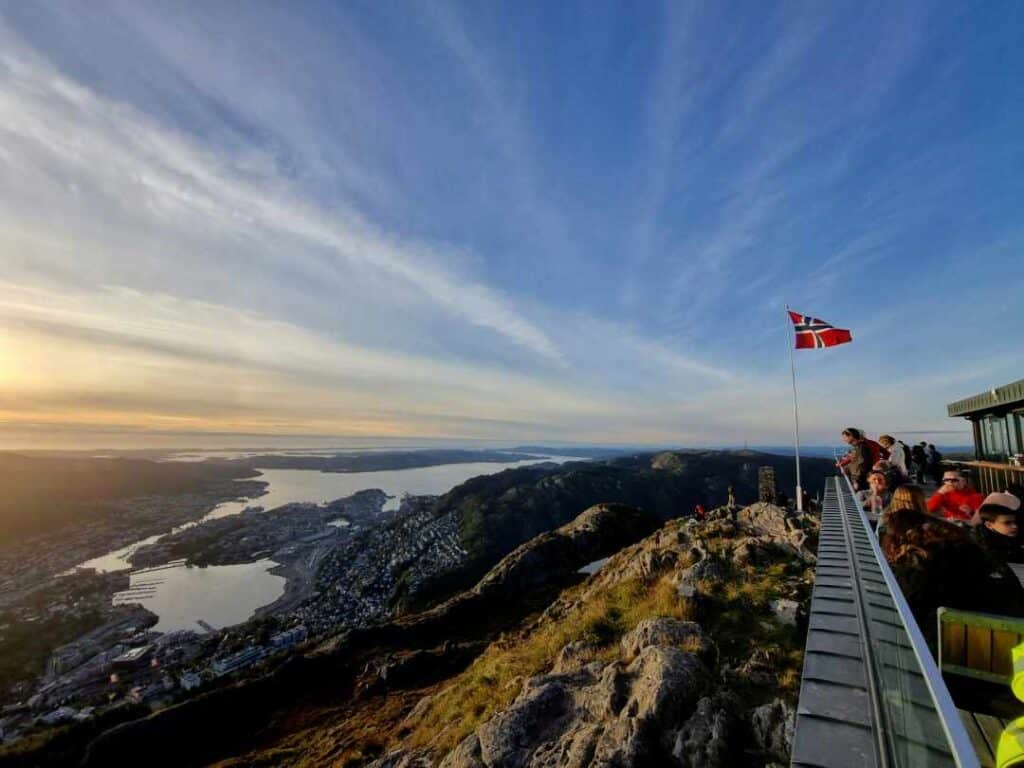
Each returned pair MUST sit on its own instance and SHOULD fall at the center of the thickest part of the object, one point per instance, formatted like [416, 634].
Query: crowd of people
[953, 547]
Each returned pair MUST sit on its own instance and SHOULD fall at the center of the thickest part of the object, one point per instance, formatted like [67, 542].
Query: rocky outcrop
[619, 714]
[712, 690]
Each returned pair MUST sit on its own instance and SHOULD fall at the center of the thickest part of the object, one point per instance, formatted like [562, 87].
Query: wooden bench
[979, 646]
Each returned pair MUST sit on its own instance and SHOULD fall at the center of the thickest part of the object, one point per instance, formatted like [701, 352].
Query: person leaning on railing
[897, 455]
[920, 460]
[956, 500]
[860, 458]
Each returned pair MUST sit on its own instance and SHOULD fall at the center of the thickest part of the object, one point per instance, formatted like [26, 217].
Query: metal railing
[920, 724]
[906, 716]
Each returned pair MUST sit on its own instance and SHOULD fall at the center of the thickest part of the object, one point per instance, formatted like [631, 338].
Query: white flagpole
[796, 411]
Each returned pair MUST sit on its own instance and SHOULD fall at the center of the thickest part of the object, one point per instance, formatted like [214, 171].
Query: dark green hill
[499, 512]
[44, 493]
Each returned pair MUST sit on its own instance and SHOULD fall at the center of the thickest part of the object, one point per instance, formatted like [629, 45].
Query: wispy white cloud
[501, 114]
[143, 166]
[336, 251]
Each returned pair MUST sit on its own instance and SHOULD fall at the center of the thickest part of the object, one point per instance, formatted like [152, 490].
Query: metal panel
[999, 397]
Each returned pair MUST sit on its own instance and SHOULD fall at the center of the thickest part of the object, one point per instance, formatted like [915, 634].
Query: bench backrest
[978, 645]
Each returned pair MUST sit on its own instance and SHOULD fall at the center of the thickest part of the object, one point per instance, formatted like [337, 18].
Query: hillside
[441, 669]
[683, 650]
[45, 493]
[498, 512]
[517, 504]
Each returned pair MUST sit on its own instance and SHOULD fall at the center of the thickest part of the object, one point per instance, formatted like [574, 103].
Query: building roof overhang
[1005, 396]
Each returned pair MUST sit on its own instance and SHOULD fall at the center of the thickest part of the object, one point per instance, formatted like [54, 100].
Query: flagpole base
[799, 499]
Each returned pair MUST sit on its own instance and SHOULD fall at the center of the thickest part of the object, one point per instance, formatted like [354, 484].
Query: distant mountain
[498, 512]
[583, 452]
[376, 461]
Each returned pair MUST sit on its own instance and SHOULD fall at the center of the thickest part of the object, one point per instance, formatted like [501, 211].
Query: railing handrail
[956, 735]
[987, 465]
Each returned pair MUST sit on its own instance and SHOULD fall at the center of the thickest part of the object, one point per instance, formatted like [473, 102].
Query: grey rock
[626, 716]
[466, 755]
[666, 632]
[708, 738]
[401, 758]
[509, 738]
[667, 683]
[772, 725]
[785, 611]
[708, 569]
[572, 658]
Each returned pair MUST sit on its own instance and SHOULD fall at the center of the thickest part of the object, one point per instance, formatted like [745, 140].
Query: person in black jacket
[938, 565]
[998, 534]
[920, 459]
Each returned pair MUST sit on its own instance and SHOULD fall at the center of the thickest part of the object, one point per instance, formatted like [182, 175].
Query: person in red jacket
[955, 499]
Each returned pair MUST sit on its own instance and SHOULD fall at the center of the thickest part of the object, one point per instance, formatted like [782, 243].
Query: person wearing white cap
[998, 532]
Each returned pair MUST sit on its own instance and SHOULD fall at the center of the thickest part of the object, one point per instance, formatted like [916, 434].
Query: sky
[505, 222]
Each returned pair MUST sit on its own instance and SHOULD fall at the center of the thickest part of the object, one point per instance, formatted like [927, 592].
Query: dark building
[997, 418]
[997, 421]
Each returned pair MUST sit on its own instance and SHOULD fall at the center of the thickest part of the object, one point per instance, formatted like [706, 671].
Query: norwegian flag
[812, 333]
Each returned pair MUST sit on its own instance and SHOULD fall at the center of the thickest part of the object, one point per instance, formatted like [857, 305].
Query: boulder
[662, 631]
[572, 658]
[510, 737]
[466, 755]
[711, 568]
[620, 715]
[401, 758]
[772, 725]
[708, 738]
[764, 519]
[785, 611]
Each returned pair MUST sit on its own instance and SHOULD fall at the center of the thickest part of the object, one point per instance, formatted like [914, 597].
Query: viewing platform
[871, 694]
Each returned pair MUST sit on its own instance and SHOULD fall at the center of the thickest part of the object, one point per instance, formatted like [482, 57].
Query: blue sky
[507, 222]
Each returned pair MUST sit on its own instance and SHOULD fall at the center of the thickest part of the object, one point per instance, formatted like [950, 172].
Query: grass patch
[738, 617]
[494, 679]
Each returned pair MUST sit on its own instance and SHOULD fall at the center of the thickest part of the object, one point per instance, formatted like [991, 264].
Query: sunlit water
[217, 595]
[291, 485]
[226, 595]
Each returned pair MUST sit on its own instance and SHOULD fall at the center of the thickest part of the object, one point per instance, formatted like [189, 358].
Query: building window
[1014, 422]
[994, 438]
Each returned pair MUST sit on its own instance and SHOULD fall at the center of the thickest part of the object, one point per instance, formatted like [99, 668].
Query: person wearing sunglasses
[956, 500]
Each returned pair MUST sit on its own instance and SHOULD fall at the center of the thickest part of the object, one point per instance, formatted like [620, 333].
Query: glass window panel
[995, 438]
[1014, 426]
